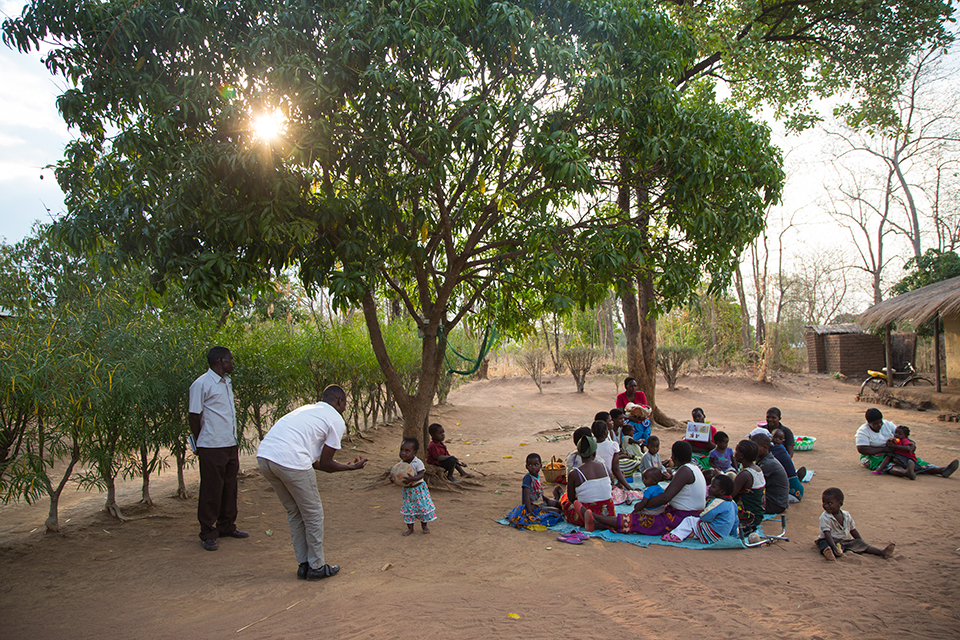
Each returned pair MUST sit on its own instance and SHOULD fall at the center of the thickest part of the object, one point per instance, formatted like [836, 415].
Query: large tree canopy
[437, 153]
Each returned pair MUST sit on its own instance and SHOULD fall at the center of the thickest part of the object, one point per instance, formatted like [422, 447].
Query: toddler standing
[417, 503]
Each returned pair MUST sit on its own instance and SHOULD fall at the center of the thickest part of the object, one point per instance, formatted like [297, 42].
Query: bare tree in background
[901, 178]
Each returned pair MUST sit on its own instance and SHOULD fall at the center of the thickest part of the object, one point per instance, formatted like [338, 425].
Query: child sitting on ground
[906, 453]
[631, 451]
[438, 455]
[617, 418]
[651, 459]
[529, 512]
[793, 474]
[721, 457]
[718, 520]
[838, 533]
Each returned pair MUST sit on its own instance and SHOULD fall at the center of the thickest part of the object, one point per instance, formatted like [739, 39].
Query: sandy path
[149, 577]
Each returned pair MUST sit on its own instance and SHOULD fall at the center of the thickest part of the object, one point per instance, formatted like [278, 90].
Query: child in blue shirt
[718, 520]
[779, 451]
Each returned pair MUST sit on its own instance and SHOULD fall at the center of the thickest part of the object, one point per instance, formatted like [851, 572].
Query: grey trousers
[297, 490]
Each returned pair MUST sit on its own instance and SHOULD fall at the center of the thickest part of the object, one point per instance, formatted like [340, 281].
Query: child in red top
[438, 455]
[906, 453]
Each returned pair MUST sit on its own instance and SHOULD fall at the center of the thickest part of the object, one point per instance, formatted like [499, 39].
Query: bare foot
[827, 553]
[407, 532]
[467, 475]
[888, 550]
[425, 529]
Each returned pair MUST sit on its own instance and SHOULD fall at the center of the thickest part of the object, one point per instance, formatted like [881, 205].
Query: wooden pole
[889, 353]
[936, 349]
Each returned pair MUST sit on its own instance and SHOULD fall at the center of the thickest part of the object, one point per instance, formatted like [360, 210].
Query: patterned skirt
[571, 515]
[417, 504]
[750, 509]
[652, 525]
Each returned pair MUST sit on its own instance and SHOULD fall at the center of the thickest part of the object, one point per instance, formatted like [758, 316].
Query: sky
[32, 137]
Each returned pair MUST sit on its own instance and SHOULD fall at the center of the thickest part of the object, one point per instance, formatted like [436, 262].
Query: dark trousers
[217, 505]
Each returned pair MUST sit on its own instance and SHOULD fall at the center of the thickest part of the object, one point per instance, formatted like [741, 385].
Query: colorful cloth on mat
[619, 496]
[604, 508]
[730, 542]
[417, 504]
[872, 462]
[521, 518]
[652, 525]
[702, 460]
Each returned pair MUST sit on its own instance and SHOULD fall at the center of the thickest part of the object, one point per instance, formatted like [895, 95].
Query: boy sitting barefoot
[437, 453]
[838, 533]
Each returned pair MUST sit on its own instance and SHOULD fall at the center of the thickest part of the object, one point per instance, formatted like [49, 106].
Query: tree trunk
[744, 311]
[146, 467]
[607, 308]
[110, 505]
[52, 523]
[414, 408]
[181, 484]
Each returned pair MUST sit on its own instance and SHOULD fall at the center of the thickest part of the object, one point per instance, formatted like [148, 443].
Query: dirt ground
[150, 578]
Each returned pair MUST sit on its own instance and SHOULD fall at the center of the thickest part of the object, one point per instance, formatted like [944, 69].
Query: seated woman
[588, 486]
[685, 496]
[748, 486]
[630, 394]
[573, 460]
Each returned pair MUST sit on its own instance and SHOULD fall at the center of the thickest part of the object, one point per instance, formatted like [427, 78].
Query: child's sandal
[669, 537]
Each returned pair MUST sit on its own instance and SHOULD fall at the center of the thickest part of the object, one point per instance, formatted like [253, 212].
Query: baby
[651, 480]
[651, 459]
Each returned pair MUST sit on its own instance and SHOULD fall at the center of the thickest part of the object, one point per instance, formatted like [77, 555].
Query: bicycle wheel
[872, 386]
[917, 381]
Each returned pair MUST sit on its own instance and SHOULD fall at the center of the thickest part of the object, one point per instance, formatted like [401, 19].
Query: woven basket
[554, 469]
[804, 443]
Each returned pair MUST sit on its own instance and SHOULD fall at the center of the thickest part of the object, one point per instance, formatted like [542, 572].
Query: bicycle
[878, 379]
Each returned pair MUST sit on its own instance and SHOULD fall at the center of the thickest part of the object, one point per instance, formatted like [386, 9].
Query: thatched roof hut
[917, 306]
[941, 299]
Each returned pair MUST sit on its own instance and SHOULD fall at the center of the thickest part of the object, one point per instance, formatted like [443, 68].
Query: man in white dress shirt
[213, 422]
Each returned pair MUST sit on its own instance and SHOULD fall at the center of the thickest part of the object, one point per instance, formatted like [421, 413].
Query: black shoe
[236, 533]
[325, 571]
[302, 570]
[210, 544]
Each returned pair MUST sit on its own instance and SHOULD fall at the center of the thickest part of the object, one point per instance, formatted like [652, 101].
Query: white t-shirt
[211, 397]
[867, 437]
[605, 452]
[693, 496]
[417, 465]
[298, 438]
